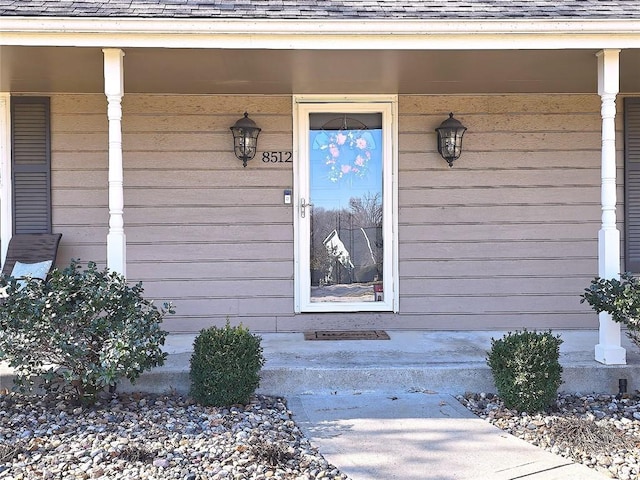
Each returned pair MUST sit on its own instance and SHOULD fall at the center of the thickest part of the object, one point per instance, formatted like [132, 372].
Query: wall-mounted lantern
[450, 134]
[245, 138]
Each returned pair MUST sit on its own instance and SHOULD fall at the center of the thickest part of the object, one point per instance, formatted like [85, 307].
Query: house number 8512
[277, 157]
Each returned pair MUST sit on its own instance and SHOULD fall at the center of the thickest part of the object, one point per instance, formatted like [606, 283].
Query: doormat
[347, 335]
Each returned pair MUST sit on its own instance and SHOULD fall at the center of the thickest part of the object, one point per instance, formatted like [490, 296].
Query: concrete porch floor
[449, 362]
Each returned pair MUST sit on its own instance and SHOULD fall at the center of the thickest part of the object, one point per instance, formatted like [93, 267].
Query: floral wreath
[347, 152]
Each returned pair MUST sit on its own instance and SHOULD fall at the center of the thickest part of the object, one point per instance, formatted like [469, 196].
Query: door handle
[303, 206]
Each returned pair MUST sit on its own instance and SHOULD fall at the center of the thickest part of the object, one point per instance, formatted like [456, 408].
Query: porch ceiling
[241, 71]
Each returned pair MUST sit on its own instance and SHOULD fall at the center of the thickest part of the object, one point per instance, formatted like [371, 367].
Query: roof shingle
[327, 9]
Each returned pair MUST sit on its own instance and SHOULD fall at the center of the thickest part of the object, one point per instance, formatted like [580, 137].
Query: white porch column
[608, 350]
[114, 90]
[6, 218]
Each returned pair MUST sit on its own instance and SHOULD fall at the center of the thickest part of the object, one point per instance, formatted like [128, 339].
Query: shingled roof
[327, 9]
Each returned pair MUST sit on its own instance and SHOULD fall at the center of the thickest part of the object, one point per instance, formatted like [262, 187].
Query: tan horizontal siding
[79, 142]
[78, 106]
[233, 105]
[447, 267]
[471, 320]
[508, 235]
[204, 232]
[80, 196]
[166, 141]
[203, 196]
[484, 304]
[561, 159]
[206, 250]
[185, 269]
[233, 306]
[81, 251]
[250, 177]
[83, 179]
[212, 214]
[515, 122]
[81, 215]
[496, 248]
[199, 123]
[203, 288]
[76, 160]
[508, 229]
[195, 323]
[495, 177]
[504, 239]
[479, 196]
[499, 105]
[496, 213]
[488, 285]
[193, 141]
[79, 164]
[63, 121]
[511, 142]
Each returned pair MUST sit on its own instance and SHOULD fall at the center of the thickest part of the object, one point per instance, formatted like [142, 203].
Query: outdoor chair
[31, 254]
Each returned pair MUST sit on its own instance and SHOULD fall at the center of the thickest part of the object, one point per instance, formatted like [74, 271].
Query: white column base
[117, 253]
[608, 350]
[611, 355]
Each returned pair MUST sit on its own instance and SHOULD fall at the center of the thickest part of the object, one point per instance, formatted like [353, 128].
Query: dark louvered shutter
[31, 165]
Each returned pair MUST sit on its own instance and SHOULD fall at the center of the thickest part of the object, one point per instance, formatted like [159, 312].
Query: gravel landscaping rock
[600, 431]
[159, 437]
[154, 438]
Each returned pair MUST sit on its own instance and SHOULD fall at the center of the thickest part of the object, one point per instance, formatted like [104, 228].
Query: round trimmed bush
[225, 366]
[526, 369]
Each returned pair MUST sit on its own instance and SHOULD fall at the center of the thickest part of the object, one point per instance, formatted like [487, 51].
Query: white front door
[346, 205]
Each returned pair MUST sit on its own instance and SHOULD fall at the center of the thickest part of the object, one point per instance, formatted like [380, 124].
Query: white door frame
[388, 106]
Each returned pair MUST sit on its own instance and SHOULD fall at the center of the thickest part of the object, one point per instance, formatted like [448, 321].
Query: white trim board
[312, 34]
[6, 214]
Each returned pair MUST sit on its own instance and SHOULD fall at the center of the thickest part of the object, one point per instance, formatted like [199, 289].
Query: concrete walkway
[417, 436]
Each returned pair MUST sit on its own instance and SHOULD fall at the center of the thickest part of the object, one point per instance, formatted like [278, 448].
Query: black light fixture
[245, 138]
[450, 134]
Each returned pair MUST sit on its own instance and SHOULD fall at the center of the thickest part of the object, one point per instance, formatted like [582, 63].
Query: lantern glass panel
[450, 134]
[245, 145]
[245, 139]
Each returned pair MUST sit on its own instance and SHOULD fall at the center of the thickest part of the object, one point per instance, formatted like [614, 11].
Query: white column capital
[608, 71]
[113, 71]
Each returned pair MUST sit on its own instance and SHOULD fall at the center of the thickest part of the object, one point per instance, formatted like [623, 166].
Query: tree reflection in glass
[346, 221]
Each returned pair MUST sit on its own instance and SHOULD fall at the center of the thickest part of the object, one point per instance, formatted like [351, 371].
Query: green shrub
[225, 366]
[526, 369]
[79, 332]
[620, 298]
